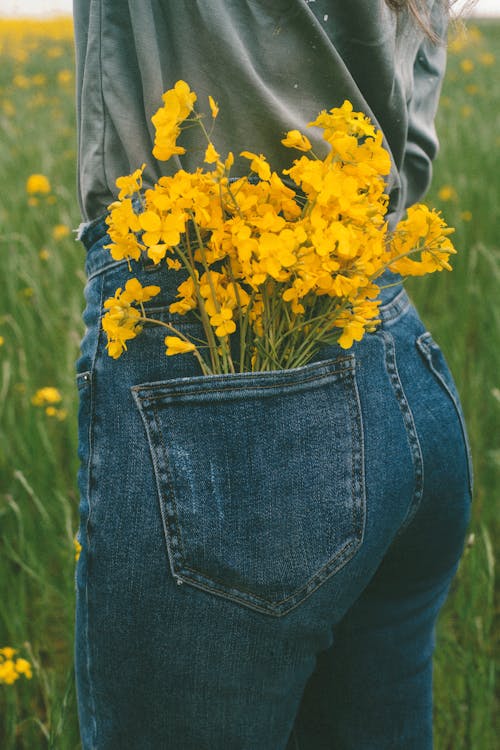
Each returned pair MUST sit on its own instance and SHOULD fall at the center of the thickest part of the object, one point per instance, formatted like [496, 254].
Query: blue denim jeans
[264, 555]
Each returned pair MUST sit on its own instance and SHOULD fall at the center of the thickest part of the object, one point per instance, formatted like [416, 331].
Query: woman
[289, 600]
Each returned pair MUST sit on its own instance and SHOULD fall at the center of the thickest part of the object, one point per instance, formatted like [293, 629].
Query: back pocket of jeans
[260, 478]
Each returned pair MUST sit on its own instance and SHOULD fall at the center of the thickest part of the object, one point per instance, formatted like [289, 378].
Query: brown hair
[419, 9]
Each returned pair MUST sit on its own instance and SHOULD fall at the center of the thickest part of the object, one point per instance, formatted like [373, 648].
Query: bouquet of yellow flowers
[285, 271]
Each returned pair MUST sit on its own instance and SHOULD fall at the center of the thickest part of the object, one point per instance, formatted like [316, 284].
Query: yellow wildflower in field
[37, 184]
[65, 77]
[466, 215]
[12, 668]
[21, 81]
[44, 254]
[447, 193]
[54, 52]
[60, 231]
[59, 414]
[46, 395]
[8, 108]
[39, 79]
[19, 36]
[487, 59]
[2, 341]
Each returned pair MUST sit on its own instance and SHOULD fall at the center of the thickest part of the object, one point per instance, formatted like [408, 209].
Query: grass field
[41, 300]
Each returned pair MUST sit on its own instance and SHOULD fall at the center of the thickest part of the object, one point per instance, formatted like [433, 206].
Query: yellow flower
[39, 79]
[21, 81]
[211, 155]
[119, 331]
[135, 292]
[8, 674]
[78, 548]
[277, 256]
[60, 231]
[175, 265]
[447, 193]
[59, 414]
[466, 215]
[213, 107]
[24, 667]
[352, 331]
[295, 139]
[8, 108]
[44, 254]
[122, 224]
[258, 164]
[177, 104]
[10, 669]
[64, 77]
[467, 65]
[47, 395]
[487, 59]
[130, 184]
[223, 322]
[37, 184]
[472, 89]
[55, 52]
[423, 231]
[175, 345]
[161, 231]
[188, 301]
[122, 322]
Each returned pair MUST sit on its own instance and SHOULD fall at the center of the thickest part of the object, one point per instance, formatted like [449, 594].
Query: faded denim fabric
[264, 555]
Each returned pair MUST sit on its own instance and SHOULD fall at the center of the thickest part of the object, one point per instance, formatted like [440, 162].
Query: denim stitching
[358, 464]
[322, 573]
[87, 530]
[343, 368]
[243, 595]
[411, 432]
[398, 306]
[424, 344]
[178, 555]
[112, 264]
[319, 575]
[153, 437]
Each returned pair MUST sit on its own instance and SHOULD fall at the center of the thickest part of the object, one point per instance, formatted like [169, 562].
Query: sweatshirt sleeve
[422, 142]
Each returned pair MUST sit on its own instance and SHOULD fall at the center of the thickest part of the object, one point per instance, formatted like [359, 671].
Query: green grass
[40, 324]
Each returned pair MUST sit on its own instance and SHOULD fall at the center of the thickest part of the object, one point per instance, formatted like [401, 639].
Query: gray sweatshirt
[271, 65]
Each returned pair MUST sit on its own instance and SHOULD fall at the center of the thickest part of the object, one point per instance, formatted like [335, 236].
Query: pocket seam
[227, 386]
[424, 343]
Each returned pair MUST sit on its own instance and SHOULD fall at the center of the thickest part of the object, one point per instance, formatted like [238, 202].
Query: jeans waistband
[93, 235]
